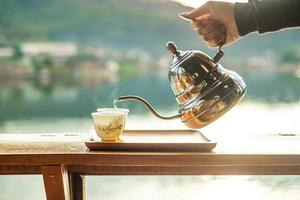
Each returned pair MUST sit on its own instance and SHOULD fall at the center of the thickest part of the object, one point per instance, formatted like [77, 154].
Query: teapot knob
[171, 46]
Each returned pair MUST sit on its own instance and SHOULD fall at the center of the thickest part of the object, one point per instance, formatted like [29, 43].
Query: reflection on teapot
[204, 89]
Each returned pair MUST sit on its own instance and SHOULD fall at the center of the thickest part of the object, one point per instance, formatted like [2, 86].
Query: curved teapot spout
[147, 105]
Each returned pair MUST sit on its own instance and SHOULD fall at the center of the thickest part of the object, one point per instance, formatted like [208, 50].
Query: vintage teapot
[204, 89]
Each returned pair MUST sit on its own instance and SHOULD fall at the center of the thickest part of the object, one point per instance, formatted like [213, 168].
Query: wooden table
[63, 160]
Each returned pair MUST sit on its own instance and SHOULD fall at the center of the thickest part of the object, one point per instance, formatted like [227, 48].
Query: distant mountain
[121, 24]
[118, 23]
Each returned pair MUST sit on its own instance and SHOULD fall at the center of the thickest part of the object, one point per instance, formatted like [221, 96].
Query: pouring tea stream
[203, 88]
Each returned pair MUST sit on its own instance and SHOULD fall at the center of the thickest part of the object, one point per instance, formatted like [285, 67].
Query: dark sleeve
[266, 15]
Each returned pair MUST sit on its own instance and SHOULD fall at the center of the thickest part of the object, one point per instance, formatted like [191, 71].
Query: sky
[197, 3]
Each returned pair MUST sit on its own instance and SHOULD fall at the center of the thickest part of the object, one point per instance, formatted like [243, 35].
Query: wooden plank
[278, 156]
[288, 169]
[77, 186]
[19, 147]
[74, 144]
[188, 170]
[56, 182]
[19, 169]
[144, 159]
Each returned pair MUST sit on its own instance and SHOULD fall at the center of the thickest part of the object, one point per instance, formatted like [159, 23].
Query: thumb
[198, 12]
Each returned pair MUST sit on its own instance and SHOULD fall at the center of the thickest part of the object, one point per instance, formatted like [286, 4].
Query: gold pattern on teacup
[114, 125]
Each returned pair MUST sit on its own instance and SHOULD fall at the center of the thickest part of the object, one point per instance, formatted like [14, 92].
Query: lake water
[271, 105]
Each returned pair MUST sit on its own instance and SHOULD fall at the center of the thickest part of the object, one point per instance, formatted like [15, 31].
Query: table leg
[77, 186]
[56, 182]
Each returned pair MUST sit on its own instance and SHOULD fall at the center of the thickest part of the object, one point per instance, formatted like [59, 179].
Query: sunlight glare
[233, 188]
[197, 3]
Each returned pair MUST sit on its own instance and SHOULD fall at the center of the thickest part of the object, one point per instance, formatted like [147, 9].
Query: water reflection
[273, 88]
[63, 97]
[195, 187]
[165, 187]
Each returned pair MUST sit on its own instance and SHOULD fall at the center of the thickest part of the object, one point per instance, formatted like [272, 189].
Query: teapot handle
[147, 105]
[220, 52]
[218, 55]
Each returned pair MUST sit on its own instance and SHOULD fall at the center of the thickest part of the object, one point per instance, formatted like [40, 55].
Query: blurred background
[62, 59]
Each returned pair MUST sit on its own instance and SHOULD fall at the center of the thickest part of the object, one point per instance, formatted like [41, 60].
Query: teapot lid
[181, 55]
[178, 56]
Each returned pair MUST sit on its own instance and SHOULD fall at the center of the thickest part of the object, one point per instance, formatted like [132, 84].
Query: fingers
[202, 10]
[213, 33]
[206, 25]
[204, 20]
[200, 24]
[216, 38]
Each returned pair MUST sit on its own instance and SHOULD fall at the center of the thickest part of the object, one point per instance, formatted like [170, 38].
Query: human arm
[266, 16]
[240, 19]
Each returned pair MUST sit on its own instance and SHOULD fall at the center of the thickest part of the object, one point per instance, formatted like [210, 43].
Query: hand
[214, 21]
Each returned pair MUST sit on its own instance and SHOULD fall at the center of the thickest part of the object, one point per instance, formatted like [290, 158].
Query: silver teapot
[203, 88]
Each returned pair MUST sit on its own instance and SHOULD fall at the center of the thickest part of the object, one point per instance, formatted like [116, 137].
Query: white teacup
[109, 123]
